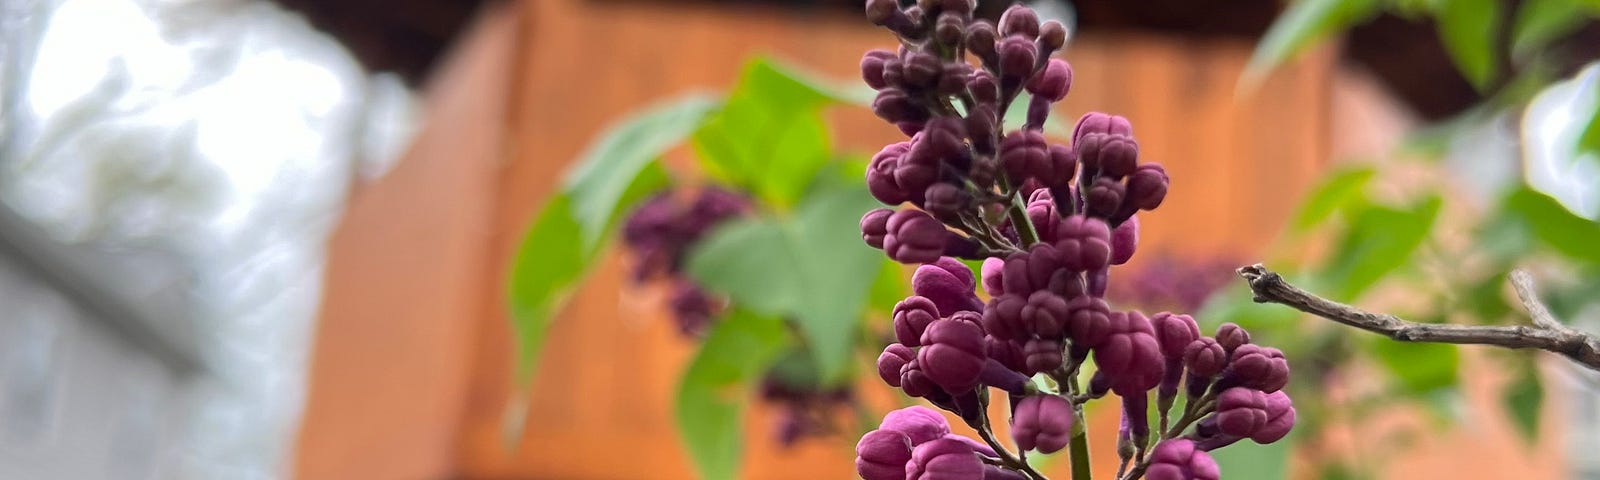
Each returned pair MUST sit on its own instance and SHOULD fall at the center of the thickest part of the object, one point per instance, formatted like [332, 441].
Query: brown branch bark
[1545, 334]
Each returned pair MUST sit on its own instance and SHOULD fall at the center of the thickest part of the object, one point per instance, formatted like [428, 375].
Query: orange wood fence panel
[406, 280]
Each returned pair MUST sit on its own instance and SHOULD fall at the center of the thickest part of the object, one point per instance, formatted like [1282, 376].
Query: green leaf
[1380, 240]
[1256, 462]
[1466, 27]
[1523, 399]
[837, 269]
[1302, 25]
[1484, 298]
[1419, 368]
[1342, 188]
[1555, 226]
[743, 260]
[1539, 22]
[889, 288]
[714, 391]
[769, 137]
[811, 267]
[604, 172]
[554, 256]
[549, 261]
[617, 171]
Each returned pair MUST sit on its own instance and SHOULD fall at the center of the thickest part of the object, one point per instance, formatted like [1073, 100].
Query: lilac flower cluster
[660, 231]
[1049, 220]
[1173, 283]
[805, 408]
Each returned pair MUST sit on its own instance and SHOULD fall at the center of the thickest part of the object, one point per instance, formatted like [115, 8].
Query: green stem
[1019, 218]
[1079, 445]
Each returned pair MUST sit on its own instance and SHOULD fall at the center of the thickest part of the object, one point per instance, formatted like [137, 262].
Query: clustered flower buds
[660, 232]
[1049, 220]
[805, 407]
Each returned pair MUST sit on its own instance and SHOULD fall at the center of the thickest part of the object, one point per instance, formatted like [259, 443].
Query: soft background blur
[250, 239]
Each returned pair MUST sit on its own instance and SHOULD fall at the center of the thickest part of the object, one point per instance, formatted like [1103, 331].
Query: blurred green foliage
[1395, 244]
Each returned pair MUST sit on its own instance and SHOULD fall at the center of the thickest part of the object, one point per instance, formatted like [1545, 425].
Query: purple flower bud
[1178, 459]
[912, 316]
[1025, 153]
[1019, 20]
[1015, 274]
[894, 73]
[1147, 187]
[992, 282]
[880, 11]
[1017, 57]
[1053, 82]
[1174, 333]
[952, 355]
[1084, 243]
[1104, 198]
[953, 78]
[1232, 336]
[998, 375]
[1114, 156]
[1204, 357]
[1130, 353]
[1280, 419]
[981, 42]
[950, 291]
[959, 246]
[882, 455]
[1003, 317]
[946, 201]
[894, 106]
[880, 174]
[922, 70]
[1096, 122]
[1261, 368]
[893, 359]
[914, 237]
[1044, 218]
[944, 459]
[1067, 284]
[977, 446]
[915, 382]
[981, 123]
[1046, 314]
[1052, 36]
[981, 84]
[1042, 422]
[1010, 354]
[872, 67]
[961, 8]
[1063, 164]
[875, 225]
[1042, 354]
[919, 424]
[1089, 324]
[1240, 411]
[691, 307]
[949, 29]
[1124, 240]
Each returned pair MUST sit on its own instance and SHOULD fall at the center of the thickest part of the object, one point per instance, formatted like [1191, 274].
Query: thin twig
[1546, 334]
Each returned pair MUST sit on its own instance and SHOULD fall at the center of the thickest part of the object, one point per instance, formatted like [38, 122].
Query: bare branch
[1547, 334]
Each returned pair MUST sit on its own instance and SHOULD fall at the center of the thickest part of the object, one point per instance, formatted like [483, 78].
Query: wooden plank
[405, 280]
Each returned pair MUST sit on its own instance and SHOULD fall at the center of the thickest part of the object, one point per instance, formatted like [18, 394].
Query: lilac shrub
[1048, 220]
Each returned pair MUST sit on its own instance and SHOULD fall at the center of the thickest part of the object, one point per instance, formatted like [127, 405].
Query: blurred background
[269, 239]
